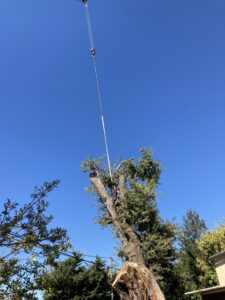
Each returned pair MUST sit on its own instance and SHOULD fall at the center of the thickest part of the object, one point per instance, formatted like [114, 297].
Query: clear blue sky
[162, 68]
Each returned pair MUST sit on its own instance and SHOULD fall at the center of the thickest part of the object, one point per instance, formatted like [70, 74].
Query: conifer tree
[71, 279]
[191, 230]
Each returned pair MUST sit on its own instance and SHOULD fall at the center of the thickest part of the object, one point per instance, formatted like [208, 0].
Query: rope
[98, 85]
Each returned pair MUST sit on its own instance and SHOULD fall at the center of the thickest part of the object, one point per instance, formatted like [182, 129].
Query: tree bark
[135, 281]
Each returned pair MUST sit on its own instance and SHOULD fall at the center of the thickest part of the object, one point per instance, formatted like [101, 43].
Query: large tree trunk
[135, 281]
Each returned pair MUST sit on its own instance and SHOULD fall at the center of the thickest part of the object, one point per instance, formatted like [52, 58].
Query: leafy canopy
[141, 175]
[27, 243]
[71, 279]
[211, 243]
[138, 209]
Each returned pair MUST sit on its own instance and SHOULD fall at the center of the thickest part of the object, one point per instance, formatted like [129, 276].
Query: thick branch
[130, 241]
[97, 183]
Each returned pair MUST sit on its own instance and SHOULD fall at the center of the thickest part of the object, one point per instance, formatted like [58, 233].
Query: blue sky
[162, 69]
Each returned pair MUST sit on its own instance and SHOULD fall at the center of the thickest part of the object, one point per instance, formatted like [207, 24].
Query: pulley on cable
[93, 55]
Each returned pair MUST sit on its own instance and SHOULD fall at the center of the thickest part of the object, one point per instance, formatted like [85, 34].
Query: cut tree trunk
[136, 282]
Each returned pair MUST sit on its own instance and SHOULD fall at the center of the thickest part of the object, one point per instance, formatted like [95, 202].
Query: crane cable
[93, 55]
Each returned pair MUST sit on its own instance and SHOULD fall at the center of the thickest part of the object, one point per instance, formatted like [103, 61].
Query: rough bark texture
[134, 281]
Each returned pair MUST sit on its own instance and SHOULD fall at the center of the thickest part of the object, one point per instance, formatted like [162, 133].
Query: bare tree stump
[136, 282]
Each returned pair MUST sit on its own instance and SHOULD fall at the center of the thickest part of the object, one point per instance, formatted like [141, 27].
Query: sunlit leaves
[27, 243]
[209, 244]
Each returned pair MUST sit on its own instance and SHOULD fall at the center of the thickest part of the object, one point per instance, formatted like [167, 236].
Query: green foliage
[27, 243]
[160, 255]
[142, 176]
[190, 232]
[210, 244]
[138, 209]
[177, 270]
[72, 280]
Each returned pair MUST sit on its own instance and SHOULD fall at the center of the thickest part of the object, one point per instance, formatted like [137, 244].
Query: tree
[190, 232]
[27, 244]
[127, 203]
[211, 243]
[72, 280]
[157, 243]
